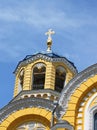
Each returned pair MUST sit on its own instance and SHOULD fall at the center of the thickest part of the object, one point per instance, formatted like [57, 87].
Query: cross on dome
[49, 33]
[49, 40]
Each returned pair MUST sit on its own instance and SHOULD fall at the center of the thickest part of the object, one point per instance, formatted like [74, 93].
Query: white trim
[92, 113]
[89, 113]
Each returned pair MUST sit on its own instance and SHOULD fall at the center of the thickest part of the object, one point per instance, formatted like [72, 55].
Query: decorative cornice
[46, 58]
[25, 92]
[25, 103]
[71, 86]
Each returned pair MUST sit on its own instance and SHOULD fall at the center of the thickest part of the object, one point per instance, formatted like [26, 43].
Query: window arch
[90, 114]
[95, 121]
[60, 78]
[39, 71]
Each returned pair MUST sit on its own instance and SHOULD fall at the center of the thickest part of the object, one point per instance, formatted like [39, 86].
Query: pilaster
[69, 76]
[27, 78]
[50, 76]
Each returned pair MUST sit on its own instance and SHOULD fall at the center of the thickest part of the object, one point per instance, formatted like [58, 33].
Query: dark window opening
[60, 79]
[21, 80]
[39, 76]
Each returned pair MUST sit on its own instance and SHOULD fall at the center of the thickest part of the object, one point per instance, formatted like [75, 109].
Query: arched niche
[27, 122]
[38, 78]
[60, 78]
[90, 114]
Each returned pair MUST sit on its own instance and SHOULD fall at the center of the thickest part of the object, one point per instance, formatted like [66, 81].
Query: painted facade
[50, 94]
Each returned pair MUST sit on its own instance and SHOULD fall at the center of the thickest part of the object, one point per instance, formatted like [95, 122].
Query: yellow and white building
[50, 94]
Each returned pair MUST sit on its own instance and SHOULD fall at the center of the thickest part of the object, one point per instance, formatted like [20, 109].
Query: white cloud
[42, 18]
[8, 15]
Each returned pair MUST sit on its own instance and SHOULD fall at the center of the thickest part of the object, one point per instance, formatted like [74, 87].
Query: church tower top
[49, 40]
[43, 74]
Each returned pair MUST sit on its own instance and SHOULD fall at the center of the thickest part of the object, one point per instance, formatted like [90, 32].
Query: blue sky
[23, 24]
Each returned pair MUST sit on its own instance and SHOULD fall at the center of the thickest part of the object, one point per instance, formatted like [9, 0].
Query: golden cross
[49, 33]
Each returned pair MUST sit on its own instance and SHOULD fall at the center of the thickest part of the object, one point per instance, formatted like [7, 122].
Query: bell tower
[39, 81]
[43, 75]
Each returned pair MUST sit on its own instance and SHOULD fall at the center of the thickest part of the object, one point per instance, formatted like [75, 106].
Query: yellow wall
[75, 104]
[43, 116]
[29, 114]
[49, 79]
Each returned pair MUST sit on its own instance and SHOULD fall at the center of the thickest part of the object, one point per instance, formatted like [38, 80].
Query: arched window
[60, 78]
[95, 121]
[39, 76]
[21, 80]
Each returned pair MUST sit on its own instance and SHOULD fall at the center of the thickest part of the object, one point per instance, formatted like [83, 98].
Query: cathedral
[50, 94]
